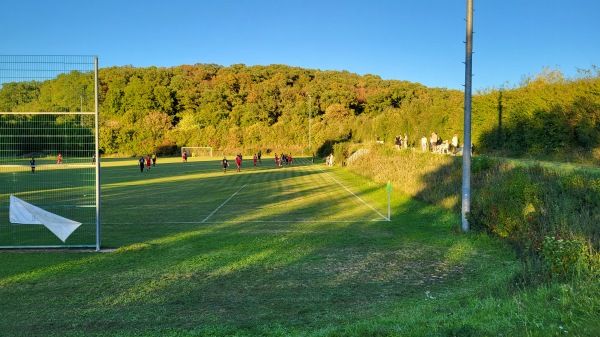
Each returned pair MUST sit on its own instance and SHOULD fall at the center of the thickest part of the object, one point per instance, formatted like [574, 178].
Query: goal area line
[354, 194]
[223, 204]
[241, 222]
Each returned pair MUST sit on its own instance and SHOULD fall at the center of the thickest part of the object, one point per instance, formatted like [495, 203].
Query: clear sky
[418, 40]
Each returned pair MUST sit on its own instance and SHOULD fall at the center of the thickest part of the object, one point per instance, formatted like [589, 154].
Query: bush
[341, 151]
[540, 211]
[563, 257]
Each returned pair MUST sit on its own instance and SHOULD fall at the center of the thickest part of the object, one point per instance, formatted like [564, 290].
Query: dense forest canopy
[237, 108]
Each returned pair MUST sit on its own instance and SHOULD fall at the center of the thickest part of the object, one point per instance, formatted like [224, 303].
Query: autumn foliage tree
[143, 110]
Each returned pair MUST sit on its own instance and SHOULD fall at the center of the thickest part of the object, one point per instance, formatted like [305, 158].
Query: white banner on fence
[24, 213]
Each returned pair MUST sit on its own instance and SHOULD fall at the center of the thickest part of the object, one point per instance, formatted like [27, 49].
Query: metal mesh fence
[48, 151]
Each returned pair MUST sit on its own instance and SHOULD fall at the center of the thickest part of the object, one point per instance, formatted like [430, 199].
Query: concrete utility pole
[309, 121]
[466, 174]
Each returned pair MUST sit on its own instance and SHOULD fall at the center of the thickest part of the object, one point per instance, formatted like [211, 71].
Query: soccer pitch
[301, 250]
[198, 192]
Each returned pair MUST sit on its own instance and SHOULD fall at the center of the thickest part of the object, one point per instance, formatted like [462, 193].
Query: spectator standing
[424, 144]
[454, 142]
[434, 141]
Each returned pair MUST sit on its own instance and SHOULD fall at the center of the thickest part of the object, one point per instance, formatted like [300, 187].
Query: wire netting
[48, 146]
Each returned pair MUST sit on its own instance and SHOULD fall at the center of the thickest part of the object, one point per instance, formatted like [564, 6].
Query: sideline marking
[246, 221]
[266, 221]
[223, 204]
[364, 202]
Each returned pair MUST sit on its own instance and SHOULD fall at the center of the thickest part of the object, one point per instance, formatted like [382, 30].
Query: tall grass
[545, 212]
[432, 178]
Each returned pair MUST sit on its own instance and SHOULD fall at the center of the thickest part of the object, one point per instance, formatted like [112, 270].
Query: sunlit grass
[293, 252]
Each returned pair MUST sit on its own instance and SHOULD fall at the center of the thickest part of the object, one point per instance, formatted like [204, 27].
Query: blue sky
[418, 41]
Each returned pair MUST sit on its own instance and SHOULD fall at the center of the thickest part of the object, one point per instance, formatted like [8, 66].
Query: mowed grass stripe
[189, 192]
[297, 193]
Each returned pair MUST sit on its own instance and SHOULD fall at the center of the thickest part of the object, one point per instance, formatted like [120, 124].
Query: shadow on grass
[250, 269]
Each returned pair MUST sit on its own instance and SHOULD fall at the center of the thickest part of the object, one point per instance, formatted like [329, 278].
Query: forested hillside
[237, 108]
[264, 107]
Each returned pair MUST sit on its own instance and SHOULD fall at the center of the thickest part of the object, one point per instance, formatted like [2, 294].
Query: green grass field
[303, 251]
[66, 189]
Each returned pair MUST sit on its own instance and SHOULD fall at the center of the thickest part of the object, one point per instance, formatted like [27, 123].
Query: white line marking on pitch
[364, 202]
[269, 221]
[246, 221]
[223, 204]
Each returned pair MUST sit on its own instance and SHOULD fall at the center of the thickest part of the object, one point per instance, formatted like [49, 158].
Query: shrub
[341, 151]
[563, 257]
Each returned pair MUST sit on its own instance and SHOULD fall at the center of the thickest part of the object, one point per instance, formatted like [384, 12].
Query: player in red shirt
[255, 159]
[238, 162]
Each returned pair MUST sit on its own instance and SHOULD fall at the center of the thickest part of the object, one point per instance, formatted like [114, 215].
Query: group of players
[150, 160]
[238, 162]
[279, 161]
[284, 158]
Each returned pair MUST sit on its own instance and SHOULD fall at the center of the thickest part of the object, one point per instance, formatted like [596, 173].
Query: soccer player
[59, 159]
[32, 162]
[148, 163]
[255, 159]
[225, 164]
[238, 161]
[184, 156]
[154, 159]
